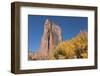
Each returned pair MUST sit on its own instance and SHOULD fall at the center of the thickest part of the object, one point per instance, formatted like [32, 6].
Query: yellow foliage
[73, 48]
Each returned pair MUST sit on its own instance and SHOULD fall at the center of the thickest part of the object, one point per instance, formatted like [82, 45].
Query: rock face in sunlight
[51, 38]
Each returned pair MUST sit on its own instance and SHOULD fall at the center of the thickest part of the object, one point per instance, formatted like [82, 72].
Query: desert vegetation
[77, 47]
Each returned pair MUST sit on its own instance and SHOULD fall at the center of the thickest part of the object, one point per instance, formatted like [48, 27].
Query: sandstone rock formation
[51, 37]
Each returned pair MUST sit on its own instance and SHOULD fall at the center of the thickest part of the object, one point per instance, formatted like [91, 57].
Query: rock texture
[51, 37]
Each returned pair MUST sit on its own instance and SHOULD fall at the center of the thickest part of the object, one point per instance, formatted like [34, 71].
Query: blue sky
[70, 27]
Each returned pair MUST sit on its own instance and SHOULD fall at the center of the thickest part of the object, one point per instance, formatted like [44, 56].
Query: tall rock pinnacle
[51, 37]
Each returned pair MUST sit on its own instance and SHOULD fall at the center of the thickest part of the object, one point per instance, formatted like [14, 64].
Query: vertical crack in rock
[51, 37]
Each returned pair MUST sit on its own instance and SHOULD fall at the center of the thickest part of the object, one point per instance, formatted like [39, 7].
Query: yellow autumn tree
[73, 48]
[81, 44]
